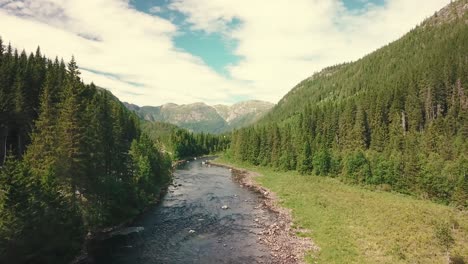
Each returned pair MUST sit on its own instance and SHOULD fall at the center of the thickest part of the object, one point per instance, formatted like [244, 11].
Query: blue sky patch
[356, 5]
[213, 48]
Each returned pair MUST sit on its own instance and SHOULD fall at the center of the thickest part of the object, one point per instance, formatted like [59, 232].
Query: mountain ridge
[364, 121]
[319, 88]
[200, 117]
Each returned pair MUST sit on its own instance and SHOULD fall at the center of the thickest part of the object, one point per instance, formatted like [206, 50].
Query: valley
[364, 161]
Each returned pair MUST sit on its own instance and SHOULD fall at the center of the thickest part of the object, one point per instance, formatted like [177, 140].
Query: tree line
[180, 143]
[396, 119]
[73, 159]
[187, 144]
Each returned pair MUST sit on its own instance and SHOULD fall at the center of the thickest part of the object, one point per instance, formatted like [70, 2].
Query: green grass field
[354, 225]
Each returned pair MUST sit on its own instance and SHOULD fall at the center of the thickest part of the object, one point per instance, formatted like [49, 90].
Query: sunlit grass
[355, 225]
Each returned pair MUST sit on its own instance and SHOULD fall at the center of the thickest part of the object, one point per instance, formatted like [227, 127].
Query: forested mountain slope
[428, 55]
[180, 143]
[397, 118]
[73, 160]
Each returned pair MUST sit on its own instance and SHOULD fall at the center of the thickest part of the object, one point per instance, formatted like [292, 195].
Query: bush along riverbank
[350, 224]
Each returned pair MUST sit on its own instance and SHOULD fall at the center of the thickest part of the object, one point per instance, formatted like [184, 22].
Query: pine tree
[305, 159]
[360, 133]
[42, 153]
[322, 162]
[70, 131]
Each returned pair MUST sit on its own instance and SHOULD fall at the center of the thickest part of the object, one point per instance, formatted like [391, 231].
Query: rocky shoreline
[279, 237]
[108, 232]
[83, 257]
[286, 247]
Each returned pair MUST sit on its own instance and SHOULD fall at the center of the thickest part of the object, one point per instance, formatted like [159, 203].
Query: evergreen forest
[73, 159]
[395, 120]
[180, 143]
[75, 162]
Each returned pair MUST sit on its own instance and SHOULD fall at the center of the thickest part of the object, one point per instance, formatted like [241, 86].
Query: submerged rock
[127, 231]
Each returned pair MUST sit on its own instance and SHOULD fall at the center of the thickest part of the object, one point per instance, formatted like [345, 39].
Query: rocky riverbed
[207, 216]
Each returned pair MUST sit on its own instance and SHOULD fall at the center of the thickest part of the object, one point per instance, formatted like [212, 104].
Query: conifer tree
[70, 131]
[42, 153]
[305, 159]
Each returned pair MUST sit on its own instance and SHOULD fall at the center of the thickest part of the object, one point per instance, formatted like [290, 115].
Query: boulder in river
[127, 231]
[224, 207]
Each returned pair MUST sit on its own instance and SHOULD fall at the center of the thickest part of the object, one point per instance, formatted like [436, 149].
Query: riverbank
[353, 225]
[83, 257]
[206, 217]
[107, 232]
[286, 247]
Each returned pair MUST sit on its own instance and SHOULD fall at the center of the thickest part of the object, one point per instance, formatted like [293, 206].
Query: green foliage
[305, 159]
[149, 170]
[180, 143]
[432, 180]
[351, 224]
[187, 144]
[78, 164]
[357, 167]
[457, 173]
[34, 211]
[396, 118]
[322, 162]
[385, 170]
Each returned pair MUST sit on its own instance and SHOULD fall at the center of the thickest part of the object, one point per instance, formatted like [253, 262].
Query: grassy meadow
[352, 224]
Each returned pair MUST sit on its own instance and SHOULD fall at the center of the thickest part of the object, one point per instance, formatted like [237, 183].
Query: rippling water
[190, 226]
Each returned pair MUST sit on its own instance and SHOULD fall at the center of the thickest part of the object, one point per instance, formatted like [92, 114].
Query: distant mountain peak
[454, 10]
[200, 117]
[169, 105]
[235, 112]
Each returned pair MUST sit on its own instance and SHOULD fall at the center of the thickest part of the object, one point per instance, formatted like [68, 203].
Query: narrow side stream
[191, 226]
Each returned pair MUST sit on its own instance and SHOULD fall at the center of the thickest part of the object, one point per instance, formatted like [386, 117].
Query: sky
[152, 52]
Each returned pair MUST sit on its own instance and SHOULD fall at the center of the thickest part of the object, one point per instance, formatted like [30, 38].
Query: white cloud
[281, 42]
[284, 41]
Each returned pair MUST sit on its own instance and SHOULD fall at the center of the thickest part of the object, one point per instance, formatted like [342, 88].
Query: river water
[190, 225]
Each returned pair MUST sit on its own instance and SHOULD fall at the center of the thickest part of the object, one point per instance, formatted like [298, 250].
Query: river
[190, 225]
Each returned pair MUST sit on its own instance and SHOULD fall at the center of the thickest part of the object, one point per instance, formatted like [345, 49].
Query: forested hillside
[180, 143]
[396, 119]
[73, 159]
